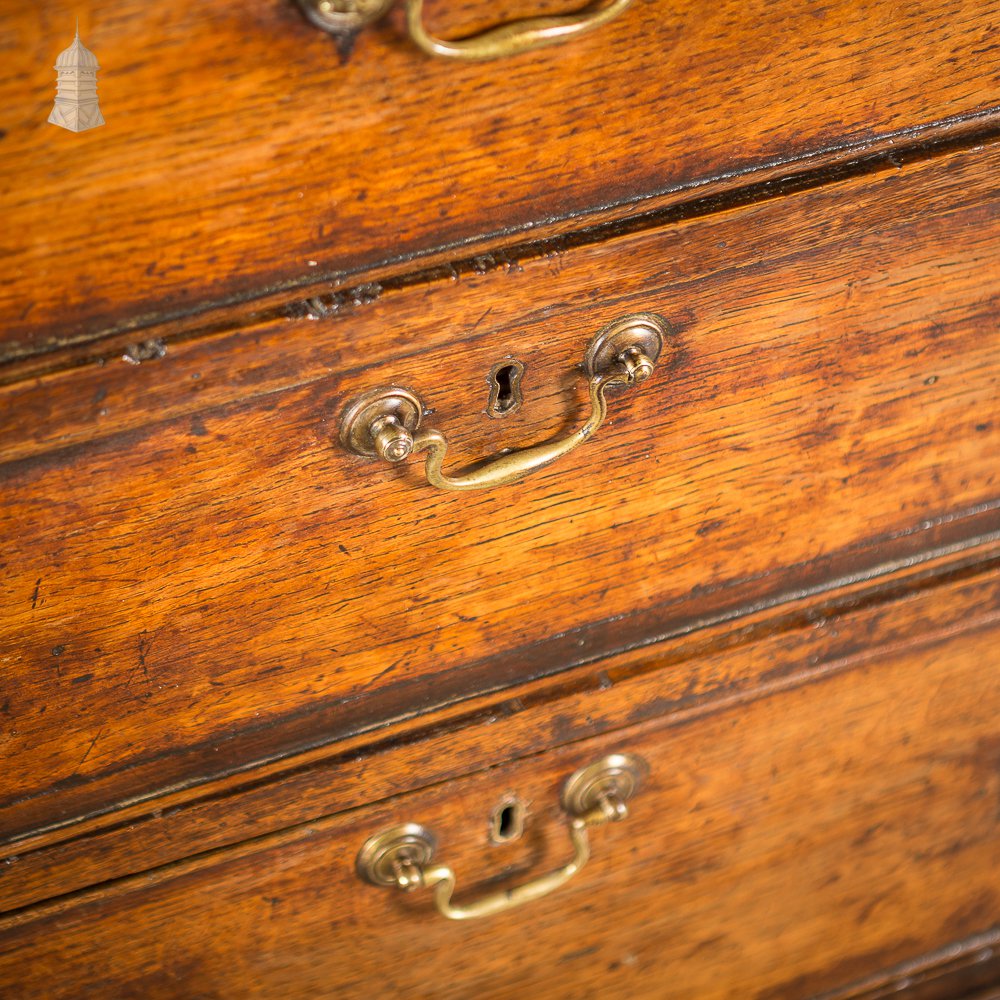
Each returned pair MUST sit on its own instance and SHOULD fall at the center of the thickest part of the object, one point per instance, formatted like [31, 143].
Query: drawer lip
[129, 836]
[361, 286]
[951, 971]
[629, 145]
[247, 356]
[328, 725]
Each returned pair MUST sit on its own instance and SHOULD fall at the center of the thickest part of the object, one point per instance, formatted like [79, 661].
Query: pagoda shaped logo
[76, 97]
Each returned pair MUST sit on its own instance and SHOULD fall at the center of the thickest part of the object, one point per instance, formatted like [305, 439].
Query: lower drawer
[784, 843]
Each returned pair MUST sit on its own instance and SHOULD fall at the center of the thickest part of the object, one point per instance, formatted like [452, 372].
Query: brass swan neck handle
[517, 464]
[345, 18]
[401, 856]
[514, 37]
[384, 423]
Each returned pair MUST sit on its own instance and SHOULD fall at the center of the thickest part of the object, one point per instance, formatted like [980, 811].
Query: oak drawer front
[297, 170]
[782, 846]
[200, 578]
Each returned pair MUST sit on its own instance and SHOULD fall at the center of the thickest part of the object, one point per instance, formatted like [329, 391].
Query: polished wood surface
[230, 651]
[784, 845]
[240, 160]
[199, 580]
[759, 654]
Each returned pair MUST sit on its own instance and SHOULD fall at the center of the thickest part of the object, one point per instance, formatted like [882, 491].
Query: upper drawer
[240, 158]
[199, 578]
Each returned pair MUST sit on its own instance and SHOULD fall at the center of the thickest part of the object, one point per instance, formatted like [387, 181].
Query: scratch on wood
[145, 645]
[481, 318]
[381, 674]
[93, 742]
[34, 596]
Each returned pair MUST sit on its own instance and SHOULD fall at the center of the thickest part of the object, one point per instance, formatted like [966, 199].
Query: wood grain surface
[239, 158]
[682, 679]
[781, 847]
[198, 580]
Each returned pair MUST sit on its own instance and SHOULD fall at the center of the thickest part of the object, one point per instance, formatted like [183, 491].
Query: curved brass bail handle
[442, 879]
[400, 856]
[517, 464]
[516, 36]
[384, 423]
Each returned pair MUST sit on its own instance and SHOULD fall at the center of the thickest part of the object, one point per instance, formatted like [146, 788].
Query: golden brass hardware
[345, 18]
[384, 423]
[516, 36]
[401, 856]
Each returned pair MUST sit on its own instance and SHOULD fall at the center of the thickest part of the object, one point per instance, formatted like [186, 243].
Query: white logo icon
[76, 98]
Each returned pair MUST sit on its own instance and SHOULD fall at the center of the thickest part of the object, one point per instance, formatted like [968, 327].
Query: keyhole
[505, 388]
[507, 821]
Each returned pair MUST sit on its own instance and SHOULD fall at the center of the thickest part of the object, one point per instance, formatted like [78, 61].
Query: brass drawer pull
[400, 856]
[345, 18]
[516, 36]
[384, 423]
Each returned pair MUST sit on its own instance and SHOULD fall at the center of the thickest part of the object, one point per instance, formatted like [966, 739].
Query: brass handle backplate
[347, 17]
[385, 423]
[401, 856]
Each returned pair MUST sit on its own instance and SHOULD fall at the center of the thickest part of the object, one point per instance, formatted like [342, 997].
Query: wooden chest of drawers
[247, 671]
